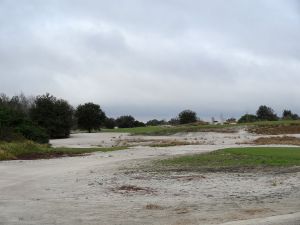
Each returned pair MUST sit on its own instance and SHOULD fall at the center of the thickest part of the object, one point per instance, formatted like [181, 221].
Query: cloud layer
[154, 58]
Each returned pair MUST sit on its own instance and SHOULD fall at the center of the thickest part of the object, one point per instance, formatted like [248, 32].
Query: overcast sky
[154, 58]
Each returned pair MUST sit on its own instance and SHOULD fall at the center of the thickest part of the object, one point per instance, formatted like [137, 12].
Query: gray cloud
[154, 58]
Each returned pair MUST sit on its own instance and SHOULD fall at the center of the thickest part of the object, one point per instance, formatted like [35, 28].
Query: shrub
[266, 113]
[34, 133]
[15, 126]
[247, 118]
[138, 124]
[54, 115]
[110, 123]
[288, 115]
[125, 121]
[89, 116]
[187, 116]
[155, 122]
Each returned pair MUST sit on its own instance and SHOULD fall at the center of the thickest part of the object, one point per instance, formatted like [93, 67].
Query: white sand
[85, 190]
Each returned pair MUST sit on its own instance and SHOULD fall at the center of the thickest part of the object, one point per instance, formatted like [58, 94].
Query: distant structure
[222, 119]
[213, 121]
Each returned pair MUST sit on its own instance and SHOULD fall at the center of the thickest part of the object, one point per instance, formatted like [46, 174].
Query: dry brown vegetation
[153, 207]
[293, 128]
[169, 143]
[284, 140]
[129, 189]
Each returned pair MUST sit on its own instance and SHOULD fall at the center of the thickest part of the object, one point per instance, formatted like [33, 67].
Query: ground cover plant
[235, 159]
[31, 150]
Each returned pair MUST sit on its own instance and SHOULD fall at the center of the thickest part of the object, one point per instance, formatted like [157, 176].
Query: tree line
[45, 116]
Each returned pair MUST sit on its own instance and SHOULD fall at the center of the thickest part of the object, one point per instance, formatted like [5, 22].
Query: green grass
[31, 150]
[236, 158]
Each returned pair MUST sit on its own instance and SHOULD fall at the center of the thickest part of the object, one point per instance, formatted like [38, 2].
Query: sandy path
[87, 190]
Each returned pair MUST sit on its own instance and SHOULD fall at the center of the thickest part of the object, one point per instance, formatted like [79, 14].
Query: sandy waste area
[109, 189]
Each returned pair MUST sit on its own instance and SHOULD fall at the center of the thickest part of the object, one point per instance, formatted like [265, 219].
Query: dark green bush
[110, 123]
[89, 116]
[34, 133]
[54, 115]
[187, 116]
[248, 118]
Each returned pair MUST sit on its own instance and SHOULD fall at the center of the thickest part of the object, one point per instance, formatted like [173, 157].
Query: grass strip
[31, 150]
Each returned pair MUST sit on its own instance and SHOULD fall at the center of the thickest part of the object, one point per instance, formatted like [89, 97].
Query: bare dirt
[105, 188]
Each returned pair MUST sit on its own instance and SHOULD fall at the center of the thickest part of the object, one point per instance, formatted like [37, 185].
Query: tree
[288, 115]
[54, 115]
[266, 113]
[174, 121]
[110, 123]
[139, 124]
[155, 122]
[187, 116]
[89, 116]
[15, 125]
[247, 118]
[125, 121]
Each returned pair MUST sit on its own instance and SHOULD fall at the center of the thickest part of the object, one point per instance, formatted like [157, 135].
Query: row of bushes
[43, 117]
[265, 113]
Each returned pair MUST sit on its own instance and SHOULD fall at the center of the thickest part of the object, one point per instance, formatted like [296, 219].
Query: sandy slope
[97, 189]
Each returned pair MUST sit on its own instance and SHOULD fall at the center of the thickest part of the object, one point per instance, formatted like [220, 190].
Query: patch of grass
[169, 130]
[234, 159]
[32, 150]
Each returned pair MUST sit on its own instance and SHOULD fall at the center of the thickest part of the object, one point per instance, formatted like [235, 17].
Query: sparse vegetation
[31, 150]
[285, 140]
[169, 143]
[275, 127]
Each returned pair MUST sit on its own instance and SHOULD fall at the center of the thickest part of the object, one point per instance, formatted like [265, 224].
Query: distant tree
[187, 116]
[89, 116]
[54, 115]
[174, 121]
[266, 113]
[125, 121]
[110, 123]
[288, 115]
[139, 124]
[247, 118]
[155, 122]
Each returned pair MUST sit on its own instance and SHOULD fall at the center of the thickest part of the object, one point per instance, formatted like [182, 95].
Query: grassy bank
[234, 159]
[261, 127]
[168, 130]
[31, 150]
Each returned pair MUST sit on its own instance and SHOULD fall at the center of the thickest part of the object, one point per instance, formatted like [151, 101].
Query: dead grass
[284, 140]
[293, 128]
[169, 143]
[153, 207]
[130, 189]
